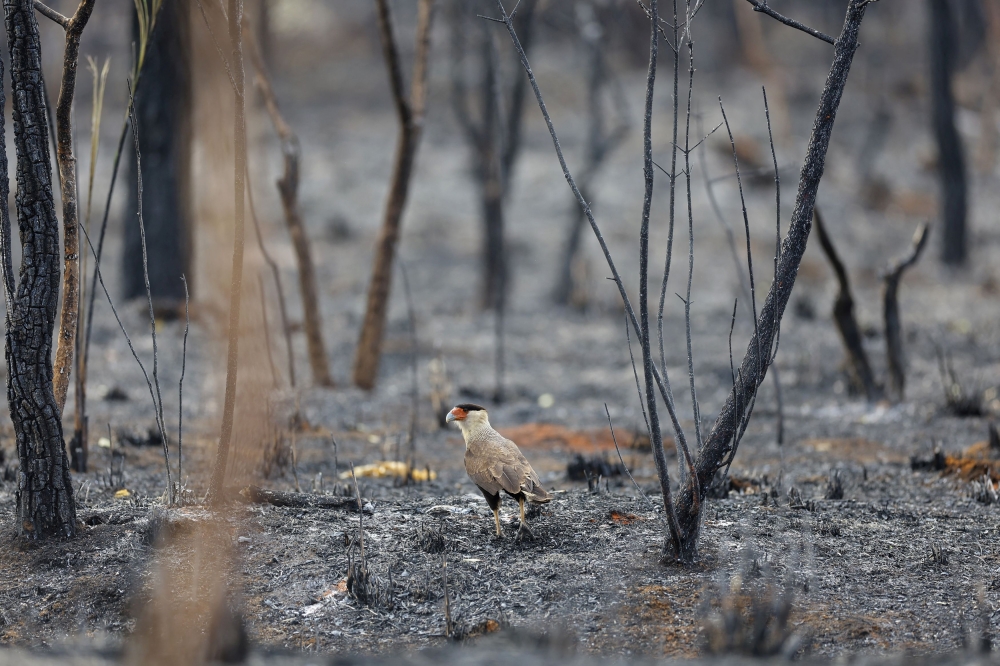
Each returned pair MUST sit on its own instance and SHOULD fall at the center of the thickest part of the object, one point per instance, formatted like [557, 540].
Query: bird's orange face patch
[459, 414]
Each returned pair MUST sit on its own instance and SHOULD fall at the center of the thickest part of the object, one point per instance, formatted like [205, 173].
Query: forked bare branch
[890, 307]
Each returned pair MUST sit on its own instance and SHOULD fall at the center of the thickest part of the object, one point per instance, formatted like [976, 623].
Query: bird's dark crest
[470, 407]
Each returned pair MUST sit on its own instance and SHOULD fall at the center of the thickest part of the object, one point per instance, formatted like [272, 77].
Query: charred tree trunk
[410, 111]
[162, 104]
[951, 163]
[45, 505]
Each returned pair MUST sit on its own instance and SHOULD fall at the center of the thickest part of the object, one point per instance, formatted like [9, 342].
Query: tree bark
[411, 117]
[45, 505]
[66, 159]
[951, 162]
[162, 105]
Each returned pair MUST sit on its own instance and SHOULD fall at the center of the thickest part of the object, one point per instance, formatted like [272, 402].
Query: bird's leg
[496, 519]
[524, 522]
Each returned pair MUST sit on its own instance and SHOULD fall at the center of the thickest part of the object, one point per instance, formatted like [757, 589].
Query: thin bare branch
[276, 274]
[180, 387]
[52, 14]
[158, 398]
[761, 6]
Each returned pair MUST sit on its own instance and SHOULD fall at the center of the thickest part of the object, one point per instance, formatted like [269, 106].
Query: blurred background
[564, 352]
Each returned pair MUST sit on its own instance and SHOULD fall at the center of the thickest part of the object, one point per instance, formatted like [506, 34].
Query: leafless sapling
[719, 447]
[45, 504]
[146, 11]
[410, 111]
[66, 160]
[288, 189]
[235, 17]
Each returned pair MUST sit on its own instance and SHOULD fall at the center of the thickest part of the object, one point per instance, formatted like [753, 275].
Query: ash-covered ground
[873, 555]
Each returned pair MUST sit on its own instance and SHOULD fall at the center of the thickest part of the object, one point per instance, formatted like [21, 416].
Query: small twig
[276, 274]
[158, 399]
[635, 372]
[761, 6]
[625, 467]
[180, 384]
[267, 331]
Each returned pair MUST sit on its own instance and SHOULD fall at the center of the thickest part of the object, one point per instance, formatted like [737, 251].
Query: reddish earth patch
[552, 436]
[623, 518]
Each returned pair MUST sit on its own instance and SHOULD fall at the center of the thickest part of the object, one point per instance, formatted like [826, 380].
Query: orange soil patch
[553, 436]
[623, 518]
[974, 463]
[856, 449]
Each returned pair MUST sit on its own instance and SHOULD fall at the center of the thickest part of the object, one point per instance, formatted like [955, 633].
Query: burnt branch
[893, 326]
[288, 188]
[53, 15]
[761, 6]
[66, 159]
[410, 111]
[843, 317]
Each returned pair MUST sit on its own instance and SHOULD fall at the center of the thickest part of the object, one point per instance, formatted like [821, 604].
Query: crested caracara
[494, 463]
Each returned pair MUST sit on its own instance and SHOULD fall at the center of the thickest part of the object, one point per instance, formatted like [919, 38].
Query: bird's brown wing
[495, 464]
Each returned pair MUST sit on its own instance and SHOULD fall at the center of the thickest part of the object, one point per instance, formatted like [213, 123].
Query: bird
[494, 463]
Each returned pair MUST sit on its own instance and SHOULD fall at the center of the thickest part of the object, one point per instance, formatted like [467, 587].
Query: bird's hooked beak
[450, 418]
[456, 414]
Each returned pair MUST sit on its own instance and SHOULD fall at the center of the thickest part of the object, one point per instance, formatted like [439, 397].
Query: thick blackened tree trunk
[45, 504]
[951, 162]
[162, 103]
